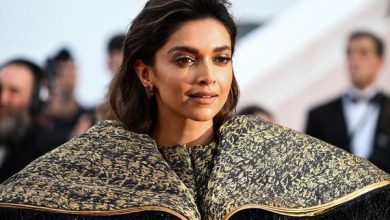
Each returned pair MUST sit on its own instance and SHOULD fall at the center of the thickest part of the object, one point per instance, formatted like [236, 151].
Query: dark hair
[38, 76]
[149, 32]
[63, 55]
[378, 42]
[52, 65]
[116, 43]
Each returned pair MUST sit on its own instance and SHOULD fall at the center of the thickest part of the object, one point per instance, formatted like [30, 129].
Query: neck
[173, 131]
[367, 89]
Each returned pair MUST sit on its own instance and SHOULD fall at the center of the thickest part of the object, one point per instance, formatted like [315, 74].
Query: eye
[14, 90]
[364, 52]
[222, 60]
[184, 60]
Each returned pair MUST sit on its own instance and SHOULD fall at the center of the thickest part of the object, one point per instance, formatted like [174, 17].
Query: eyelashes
[220, 60]
[184, 60]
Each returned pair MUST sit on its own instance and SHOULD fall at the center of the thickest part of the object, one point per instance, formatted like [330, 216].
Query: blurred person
[67, 116]
[257, 111]
[22, 139]
[115, 56]
[359, 120]
[176, 152]
[115, 52]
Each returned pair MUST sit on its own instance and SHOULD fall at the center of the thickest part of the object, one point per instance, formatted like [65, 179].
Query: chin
[202, 116]
[361, 83]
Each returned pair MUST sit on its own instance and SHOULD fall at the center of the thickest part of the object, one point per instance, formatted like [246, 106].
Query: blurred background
[290, 55]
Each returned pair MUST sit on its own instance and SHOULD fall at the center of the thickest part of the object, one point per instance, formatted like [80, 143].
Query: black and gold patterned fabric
[254, 170]
[193, 166]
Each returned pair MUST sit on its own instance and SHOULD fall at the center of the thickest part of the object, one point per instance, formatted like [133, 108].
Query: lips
[203, 98]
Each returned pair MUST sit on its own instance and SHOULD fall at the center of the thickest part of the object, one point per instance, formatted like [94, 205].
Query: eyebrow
[195, 51]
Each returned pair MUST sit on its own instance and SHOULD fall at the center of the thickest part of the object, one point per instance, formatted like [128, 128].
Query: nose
[205, 74]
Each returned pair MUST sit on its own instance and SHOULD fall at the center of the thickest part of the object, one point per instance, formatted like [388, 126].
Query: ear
[143, 72]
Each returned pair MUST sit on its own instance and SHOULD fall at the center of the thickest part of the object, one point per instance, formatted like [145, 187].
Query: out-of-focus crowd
[38, 107]
[39, 110]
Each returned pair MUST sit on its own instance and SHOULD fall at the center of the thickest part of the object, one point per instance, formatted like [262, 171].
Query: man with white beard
[21, 138]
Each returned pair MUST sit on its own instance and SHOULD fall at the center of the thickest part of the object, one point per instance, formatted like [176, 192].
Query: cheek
[225, 82]
[368, 68]
[170, 85]
[19, 101]
[26, 99]
[173, 90]
[375, 65]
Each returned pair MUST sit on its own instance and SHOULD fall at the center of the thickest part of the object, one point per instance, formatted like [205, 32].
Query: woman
[173, 153]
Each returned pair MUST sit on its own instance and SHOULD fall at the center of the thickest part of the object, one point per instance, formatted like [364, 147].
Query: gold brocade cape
[109, 171]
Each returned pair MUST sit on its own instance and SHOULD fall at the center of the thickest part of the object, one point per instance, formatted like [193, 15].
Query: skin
[114, 61]
[191, 79]
[16, 89]
[62, 102]
[66, 79]
[364, 63]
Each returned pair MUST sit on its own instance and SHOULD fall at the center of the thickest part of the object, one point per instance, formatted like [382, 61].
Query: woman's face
[193, 71]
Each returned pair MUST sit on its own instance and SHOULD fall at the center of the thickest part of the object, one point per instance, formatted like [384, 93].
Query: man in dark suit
[359, 120]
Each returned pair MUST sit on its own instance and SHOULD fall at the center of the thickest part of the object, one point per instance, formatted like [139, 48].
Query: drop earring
[149, 91]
